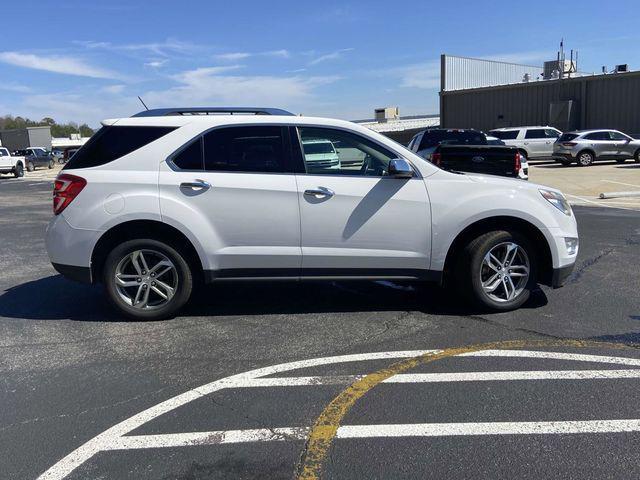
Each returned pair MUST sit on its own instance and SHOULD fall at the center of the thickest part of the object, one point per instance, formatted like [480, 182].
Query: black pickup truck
[466, 151]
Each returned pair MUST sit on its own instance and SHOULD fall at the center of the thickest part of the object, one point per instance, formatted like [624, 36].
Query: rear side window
[245, 149]
[505, 135]
[598, 136]
[433, 138]
[567, 137]
[535, 133]
[112, 142]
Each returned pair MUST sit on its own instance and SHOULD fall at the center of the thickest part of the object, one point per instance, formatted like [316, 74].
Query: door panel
[243, 220]
[367, 223]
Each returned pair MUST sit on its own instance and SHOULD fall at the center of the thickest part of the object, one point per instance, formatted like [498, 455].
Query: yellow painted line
[326, 425]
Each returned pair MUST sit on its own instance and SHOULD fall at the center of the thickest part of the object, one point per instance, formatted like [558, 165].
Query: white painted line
[102, 441]
[113, 435]
[578, 357]
[173, 440]
[622, 183]
[446, 377]
[488, 428]
[599, 204]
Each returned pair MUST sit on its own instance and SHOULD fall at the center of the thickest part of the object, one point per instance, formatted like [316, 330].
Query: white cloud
[419, 75]
[114, 89]
[330, 56]
[277, 53]
[156, 63]
[215, 86]
[14, 87]
[57, 64]
[233, 57]
[163, 49]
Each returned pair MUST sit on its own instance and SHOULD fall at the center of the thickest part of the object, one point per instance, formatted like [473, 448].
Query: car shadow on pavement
[56, 298]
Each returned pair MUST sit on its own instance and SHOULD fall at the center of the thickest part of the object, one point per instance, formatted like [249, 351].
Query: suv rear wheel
[147, 280]
[497, 270]
[636, 157]
[18, 171]
[585, 159]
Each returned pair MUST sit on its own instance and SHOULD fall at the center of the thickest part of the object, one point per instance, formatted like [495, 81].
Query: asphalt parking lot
[247, 382]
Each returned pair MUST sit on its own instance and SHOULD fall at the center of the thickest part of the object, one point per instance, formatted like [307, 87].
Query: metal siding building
[597, 101]
[26, 137]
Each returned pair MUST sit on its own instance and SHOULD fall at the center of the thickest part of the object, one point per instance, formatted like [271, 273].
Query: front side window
[329, 151]
[535, 133]
[112, 142]
[550, 133]
[245, 149]
[617, 136]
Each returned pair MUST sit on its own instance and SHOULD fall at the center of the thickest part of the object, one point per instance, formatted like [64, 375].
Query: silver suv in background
[535, 143]
[586, 146]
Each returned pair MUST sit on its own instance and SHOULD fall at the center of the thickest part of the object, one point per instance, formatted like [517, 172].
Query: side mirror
[400, 168]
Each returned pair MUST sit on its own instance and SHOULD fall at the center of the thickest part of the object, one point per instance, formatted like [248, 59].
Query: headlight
[557, 200]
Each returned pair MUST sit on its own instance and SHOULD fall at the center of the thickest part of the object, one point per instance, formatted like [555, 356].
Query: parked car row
[36, 157]
[582, 147]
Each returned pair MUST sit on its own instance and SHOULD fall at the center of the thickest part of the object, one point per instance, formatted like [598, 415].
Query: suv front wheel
[146, 279]
[497, 270]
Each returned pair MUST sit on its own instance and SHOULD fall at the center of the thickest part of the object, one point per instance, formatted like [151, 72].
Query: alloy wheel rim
[504, 272]
[146, 279]
[585, 159]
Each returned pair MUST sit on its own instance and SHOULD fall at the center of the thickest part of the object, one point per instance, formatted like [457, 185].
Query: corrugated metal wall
[463, 72]
[602, 101]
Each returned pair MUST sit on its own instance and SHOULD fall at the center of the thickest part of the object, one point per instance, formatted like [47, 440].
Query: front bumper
[560, 275]
[72, 272]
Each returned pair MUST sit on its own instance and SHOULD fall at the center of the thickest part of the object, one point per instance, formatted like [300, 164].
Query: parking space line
[174, 440]
[580, 357]
[447, 377]
[622, 183]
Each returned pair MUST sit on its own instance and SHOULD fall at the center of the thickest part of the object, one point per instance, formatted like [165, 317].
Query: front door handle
[320, 192]
[196, 185]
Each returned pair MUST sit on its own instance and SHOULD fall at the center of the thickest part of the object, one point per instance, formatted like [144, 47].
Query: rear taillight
[436, 158]
[518, 163]
[569, 144]
[65, 189]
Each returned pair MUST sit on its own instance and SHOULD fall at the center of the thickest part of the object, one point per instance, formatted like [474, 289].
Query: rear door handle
[196, 185]
[319, 192]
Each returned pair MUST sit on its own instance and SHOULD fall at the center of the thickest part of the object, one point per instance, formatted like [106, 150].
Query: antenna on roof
[142, 102]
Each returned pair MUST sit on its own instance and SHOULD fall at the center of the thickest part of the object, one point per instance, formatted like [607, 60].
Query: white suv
[153, 203]
[535, 143]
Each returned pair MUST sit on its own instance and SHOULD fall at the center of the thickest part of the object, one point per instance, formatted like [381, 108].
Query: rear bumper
[73, 272]
[560, 275]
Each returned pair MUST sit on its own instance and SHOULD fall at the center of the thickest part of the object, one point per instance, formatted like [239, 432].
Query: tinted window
[617, 136]
[190, 158]
[597, 136]
[433, 138]
[112, 142]
[551, 133]
[566, 137]
[535, 133]
[352, 154]
[508, 135]
[245, 149]
[3, 152]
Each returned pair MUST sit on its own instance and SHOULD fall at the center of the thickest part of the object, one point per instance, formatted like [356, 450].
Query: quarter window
[245, 149]
[190, 158]
[336, 152]
[112, 142]
[505, 134]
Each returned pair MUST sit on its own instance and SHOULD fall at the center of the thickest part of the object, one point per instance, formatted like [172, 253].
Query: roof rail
[163, 112]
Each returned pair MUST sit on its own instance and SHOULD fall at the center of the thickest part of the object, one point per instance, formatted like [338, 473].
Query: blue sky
[85, 61]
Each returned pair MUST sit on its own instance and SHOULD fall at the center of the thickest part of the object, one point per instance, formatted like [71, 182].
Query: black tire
[585, 159]
[30, 167]
[51, 164]
[469, 268]
[565, 163]
[636, 157]
[621, 160]
[182, 272]
[18, 171]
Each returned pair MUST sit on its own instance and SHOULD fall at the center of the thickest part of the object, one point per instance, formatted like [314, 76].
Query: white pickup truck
[11, 164]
